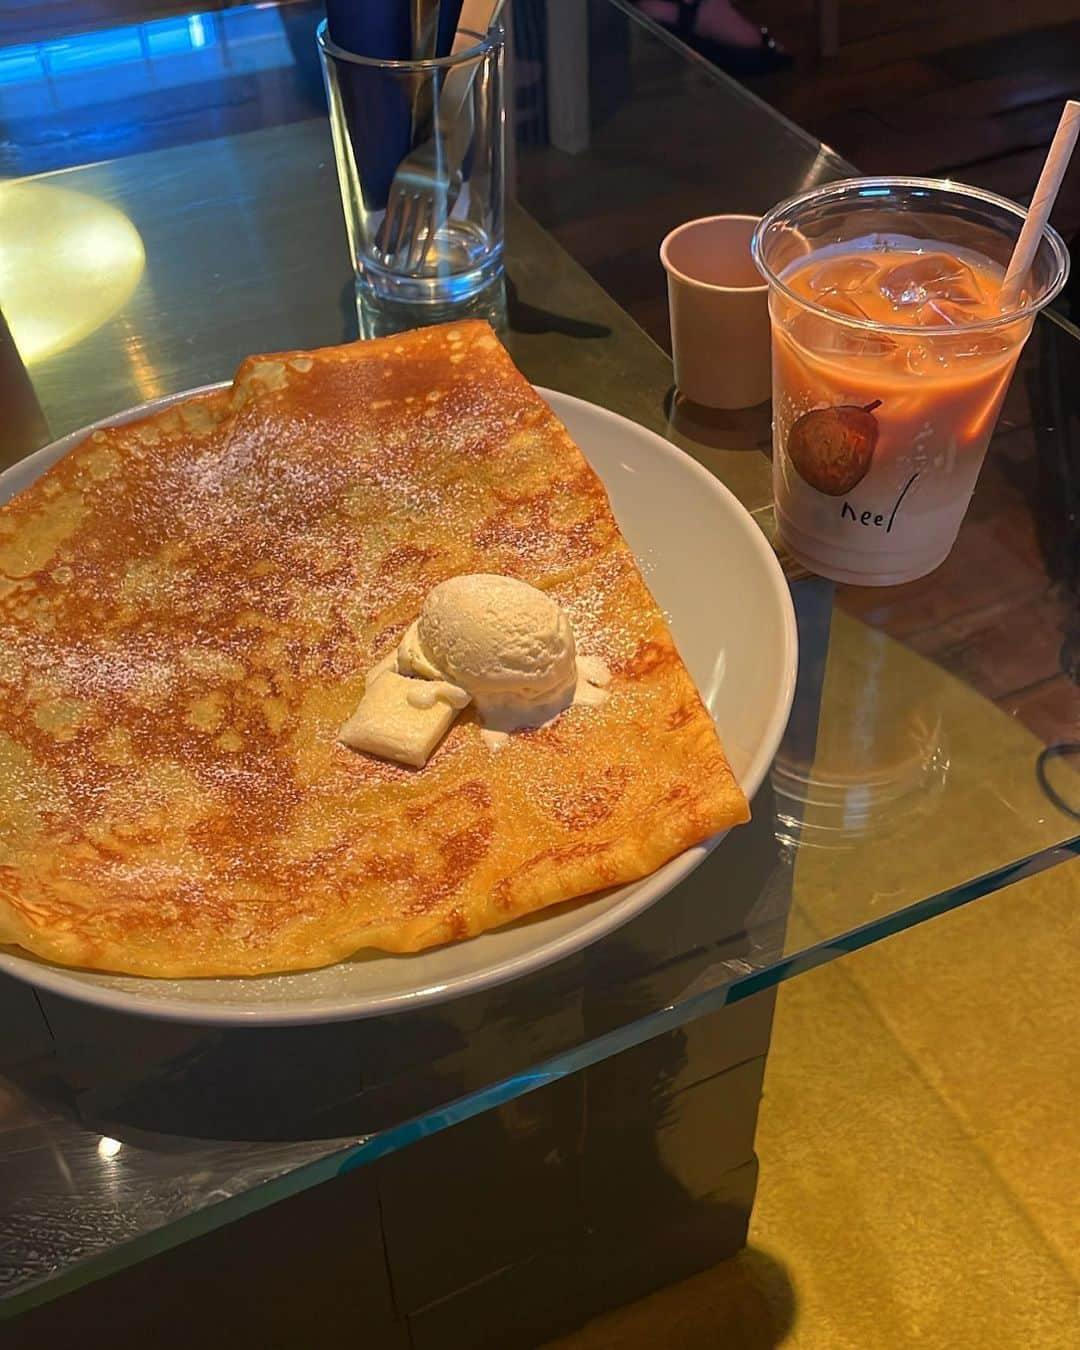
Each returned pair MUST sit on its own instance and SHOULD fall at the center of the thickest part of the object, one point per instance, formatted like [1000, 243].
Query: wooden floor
[970, 89]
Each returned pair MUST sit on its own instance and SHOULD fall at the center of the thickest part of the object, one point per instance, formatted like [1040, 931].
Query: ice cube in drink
[921, 278]
[837, 276]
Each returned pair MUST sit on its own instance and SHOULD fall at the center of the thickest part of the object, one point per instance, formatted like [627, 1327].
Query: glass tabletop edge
[360, 1153]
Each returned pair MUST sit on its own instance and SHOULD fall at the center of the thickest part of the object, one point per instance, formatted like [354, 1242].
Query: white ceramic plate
[717, 579]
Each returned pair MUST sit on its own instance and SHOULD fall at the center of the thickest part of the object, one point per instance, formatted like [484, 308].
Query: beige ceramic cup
[719, 312]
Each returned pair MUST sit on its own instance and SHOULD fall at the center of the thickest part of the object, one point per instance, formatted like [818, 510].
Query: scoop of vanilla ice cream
[507, 644]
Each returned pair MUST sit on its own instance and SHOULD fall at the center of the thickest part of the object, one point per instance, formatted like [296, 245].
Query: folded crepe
[188, 607]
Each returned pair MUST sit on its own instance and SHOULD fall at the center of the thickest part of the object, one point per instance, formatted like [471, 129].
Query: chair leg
[568, 75]
[828, 26]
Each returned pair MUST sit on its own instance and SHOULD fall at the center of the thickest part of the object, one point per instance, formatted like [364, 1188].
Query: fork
[428, 180]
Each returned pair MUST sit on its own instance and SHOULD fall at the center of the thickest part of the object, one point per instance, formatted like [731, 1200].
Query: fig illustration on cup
[832, 448]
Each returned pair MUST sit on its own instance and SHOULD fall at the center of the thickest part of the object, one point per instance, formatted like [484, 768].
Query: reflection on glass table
[908, 781]
[96, 260]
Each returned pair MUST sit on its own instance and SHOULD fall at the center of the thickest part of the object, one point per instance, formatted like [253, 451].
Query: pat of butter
[389, 724]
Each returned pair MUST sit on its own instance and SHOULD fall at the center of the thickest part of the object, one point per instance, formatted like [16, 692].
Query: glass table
[926, 764]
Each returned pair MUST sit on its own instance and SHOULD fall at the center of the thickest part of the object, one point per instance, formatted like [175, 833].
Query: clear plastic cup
[891, 359]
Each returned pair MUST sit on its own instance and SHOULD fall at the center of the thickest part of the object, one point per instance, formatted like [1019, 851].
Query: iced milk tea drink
[891, 359]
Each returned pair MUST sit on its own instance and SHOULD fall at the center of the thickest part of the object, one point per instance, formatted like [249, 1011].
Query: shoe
[765, 58]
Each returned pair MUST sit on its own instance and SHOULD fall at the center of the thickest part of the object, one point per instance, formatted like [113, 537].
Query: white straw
[1042, 203]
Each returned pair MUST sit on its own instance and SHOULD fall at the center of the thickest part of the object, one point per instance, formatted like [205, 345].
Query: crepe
[188, 606]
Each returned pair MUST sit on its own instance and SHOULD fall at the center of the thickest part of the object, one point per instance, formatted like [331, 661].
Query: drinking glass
[438, 127]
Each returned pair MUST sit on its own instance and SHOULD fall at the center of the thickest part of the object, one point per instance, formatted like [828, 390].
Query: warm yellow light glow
[68, 263]
[108, 1148]
[144, 374]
